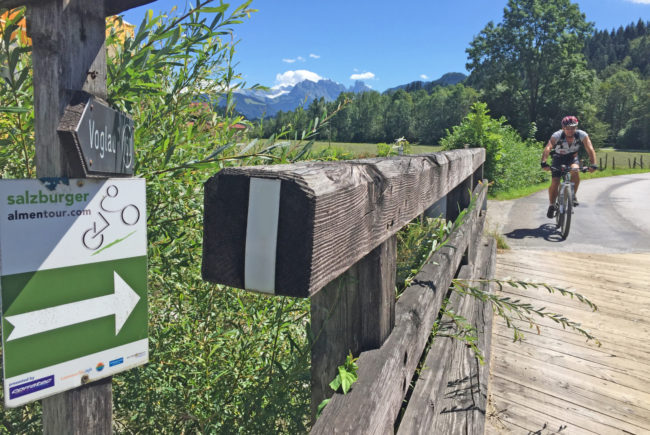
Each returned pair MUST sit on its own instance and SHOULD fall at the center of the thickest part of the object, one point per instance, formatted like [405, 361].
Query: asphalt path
[613, 217]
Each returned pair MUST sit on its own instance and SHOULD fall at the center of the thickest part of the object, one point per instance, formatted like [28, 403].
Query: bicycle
[564, 200]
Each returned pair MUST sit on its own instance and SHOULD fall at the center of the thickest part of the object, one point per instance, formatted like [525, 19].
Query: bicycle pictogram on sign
[93, 238]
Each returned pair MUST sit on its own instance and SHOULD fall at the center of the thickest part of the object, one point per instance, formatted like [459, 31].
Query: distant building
[114, 23]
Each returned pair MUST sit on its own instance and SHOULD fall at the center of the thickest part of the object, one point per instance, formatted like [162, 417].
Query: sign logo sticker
[31, 387]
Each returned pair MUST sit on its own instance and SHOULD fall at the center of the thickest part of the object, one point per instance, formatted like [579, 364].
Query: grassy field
[369, 149]
[623, 159]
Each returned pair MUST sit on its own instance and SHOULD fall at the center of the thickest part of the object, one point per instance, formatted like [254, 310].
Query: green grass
[369, 149]
[623, 159]
[529, 190]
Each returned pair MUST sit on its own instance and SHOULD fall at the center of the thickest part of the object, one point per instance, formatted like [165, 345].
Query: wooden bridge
[556, 382]
[326, 231]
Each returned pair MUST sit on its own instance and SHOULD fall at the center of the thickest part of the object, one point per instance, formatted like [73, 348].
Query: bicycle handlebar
[564, 168]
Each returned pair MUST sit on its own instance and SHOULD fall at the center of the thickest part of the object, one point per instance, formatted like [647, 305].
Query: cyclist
[566, 143]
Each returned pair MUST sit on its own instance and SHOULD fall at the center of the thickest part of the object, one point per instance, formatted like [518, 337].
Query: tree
[619, 93]
[531, 67]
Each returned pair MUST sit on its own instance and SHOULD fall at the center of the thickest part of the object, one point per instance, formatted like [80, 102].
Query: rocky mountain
[448, 79]
[254, 104]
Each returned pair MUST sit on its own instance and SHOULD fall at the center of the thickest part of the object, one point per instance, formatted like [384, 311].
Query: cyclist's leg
[558, 160]
[552, 190]
[575, 175]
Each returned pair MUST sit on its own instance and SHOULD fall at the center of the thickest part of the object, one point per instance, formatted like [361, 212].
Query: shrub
[510, 160]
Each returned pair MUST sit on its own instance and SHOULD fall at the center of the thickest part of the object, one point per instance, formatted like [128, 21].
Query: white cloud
[291, 78]
[424, 77]
[298, 59]
[643, 2]
[363, 76]
[314, 56]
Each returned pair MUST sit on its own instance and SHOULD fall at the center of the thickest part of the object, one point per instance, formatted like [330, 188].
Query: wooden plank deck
[557, 382]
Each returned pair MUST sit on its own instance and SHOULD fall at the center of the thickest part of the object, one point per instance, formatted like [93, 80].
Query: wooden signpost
[69, 55]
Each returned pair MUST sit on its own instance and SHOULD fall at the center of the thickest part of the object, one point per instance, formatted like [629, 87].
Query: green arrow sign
[74, 288]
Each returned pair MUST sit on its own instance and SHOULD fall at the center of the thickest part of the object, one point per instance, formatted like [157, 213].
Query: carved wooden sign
[98, 137]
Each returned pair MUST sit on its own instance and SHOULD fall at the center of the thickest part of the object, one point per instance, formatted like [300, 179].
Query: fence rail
[327, 231]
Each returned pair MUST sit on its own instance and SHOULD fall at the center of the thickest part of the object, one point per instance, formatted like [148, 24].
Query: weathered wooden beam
[114, 7]
[110, 7]
[353, 313]
[450, 395]
[374, 402]
[68, 54]
[329, 214]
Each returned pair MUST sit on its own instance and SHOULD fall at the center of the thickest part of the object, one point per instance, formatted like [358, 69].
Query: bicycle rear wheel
[568, 211]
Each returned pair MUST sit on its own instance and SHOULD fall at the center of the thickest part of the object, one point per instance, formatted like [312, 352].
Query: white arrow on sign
[121, 303]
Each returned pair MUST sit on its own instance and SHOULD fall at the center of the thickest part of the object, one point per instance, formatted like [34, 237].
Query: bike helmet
[569, 121]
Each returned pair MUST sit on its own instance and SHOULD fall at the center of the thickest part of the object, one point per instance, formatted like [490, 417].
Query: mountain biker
[566, 143]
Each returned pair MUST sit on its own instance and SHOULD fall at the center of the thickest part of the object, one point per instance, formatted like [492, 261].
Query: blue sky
[384, 43]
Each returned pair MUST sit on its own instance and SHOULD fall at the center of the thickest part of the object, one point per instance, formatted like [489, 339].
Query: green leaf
[322, 406]
[336, 383]
[14, 109]
[347, 379]
[214, 10]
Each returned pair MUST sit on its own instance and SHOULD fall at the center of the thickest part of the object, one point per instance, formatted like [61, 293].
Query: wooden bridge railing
[327, 231]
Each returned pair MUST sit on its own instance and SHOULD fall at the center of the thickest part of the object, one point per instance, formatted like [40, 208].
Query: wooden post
[641, 161]
[458, 198]
[634, 164]
[68, 55]
[601, 163]
[478, 177]
[354, 313]
[613, 163]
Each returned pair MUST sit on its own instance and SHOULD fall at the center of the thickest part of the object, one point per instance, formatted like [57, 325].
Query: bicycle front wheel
[559, 212]
[568, 211]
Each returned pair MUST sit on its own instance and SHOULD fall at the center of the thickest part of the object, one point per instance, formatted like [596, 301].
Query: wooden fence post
[458, 199]
[353, 313]
[68, 54]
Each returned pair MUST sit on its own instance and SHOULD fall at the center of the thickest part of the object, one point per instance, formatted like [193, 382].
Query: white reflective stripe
[262, 234]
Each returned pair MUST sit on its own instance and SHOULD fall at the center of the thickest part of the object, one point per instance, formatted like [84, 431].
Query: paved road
[613, 217]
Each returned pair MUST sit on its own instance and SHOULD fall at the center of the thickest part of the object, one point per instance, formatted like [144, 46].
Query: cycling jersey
[563, 147]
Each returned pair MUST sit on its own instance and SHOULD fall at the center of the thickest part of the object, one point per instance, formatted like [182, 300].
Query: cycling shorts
[566, 160]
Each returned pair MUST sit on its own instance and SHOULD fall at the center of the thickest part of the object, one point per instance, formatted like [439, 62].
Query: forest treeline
[557, 65]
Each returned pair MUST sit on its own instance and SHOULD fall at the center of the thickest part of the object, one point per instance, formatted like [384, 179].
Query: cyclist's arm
[590, 150]
[547, 150]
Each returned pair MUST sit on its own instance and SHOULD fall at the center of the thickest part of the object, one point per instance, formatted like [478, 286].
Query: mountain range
[255, 104]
